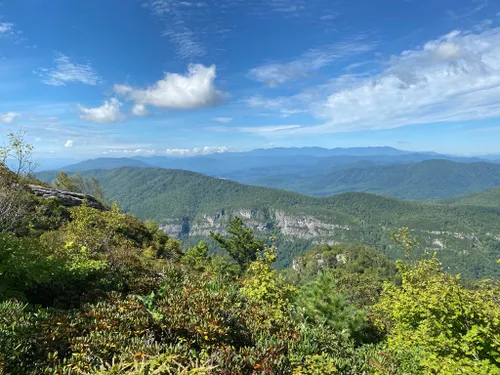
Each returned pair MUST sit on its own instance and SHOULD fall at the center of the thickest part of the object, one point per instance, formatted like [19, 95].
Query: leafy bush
[454, 326]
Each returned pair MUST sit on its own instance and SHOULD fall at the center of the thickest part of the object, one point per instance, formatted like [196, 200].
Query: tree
[404, 239]
[242, 245]
[15, 165]
[197, 257]
[79, 184]
[18, 155]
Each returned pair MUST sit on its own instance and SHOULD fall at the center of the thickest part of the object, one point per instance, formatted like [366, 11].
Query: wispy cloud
[284, 105]
[178, 31]
[275, 74]
[108, 112]
[329, 17]
[469, 11]
[194, 90]
[197, 28]
[303, 11]
[453, 78]
[170, 151]
[223, 119]
[8, 118]
[268, 130]
[66, 71]
[6, 28]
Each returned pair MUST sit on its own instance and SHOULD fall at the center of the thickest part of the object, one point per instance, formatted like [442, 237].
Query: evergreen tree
[242, 245]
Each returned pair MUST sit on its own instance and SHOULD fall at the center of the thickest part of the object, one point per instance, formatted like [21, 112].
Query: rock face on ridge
[66, 198]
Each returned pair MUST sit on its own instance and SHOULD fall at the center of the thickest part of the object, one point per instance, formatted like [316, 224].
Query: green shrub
[432, 310]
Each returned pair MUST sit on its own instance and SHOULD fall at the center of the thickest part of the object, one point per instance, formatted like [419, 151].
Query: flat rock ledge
[67, 198]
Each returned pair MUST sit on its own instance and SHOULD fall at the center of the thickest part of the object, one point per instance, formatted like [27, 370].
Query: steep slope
[190, 205]
[429, 179]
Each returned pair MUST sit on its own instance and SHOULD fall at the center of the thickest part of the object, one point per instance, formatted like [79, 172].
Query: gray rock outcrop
[67, 198]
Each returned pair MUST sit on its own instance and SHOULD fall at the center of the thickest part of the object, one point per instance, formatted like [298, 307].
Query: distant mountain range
[465, 231]
[430, 179]
[323, 172]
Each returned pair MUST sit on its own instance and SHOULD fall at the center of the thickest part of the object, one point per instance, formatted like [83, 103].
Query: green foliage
[319, 300]
[358, 272]
[197, 257]
[17, 155]
[432, 310]
[97, 231]
[317, 364]
[242, 245]
[266, 290]
[22, 265]
[79, 184]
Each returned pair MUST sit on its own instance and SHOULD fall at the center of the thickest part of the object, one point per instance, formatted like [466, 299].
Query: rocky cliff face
[264, 221]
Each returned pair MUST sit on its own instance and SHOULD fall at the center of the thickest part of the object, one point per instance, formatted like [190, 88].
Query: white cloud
[69, 143]
[270, 103]
[171, 151]
[67, 72]
[453, 78]
[223, 119]
[139, 110]
[8, 118]
[275, 74]
[6, 28]
[194, 90]
[108, 112]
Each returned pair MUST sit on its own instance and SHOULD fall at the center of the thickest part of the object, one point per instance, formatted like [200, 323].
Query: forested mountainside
[407, 176]
[430, 179]
[188, 205]
[86, 288]
[488, 198]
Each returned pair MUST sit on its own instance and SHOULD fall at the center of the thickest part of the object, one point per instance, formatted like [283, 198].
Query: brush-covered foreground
[84, 291]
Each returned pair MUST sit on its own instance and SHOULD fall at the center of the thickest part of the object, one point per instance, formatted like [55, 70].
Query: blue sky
[185, 77]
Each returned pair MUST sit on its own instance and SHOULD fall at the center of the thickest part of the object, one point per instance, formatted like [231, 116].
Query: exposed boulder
[66, 198]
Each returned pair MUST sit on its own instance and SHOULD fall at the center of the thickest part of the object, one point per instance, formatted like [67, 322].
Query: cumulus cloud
[69, 143]
[194, 90]
[453, 78]
[172, 151]
[8, 118]
[275, 74]
[223, 119]
[66, 71]
[108, 112]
